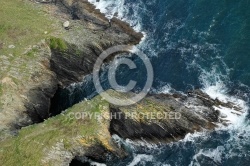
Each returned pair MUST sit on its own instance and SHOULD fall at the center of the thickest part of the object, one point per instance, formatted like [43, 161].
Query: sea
[192, 44]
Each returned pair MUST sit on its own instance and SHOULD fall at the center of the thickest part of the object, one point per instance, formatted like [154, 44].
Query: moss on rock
[57, 44]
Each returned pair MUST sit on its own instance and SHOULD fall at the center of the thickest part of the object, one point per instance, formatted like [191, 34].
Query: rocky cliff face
[30, 80]
[88, 43]
[63, 58]
[168, 118]
[58, 140]
[86, 129]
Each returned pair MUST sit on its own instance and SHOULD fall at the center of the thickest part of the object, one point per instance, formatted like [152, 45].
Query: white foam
[214, 154]
[165, 89]
[92, 163]
[192, 137]
[218, 91]
[140, 158]
[97, 164]
[132, 145]
[214, 86]
[109, 7]
[141, 143]
[212, 81]
[118, 8]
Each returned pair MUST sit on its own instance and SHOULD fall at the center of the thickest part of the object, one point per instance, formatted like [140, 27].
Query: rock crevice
[60, 60]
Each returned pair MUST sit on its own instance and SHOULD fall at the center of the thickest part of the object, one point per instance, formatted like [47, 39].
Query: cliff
[47, 56]
[86, 129]
[60, 139]
[38, 56]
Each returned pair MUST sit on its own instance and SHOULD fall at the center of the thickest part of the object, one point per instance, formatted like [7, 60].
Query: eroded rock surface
[165, 117]
[28, 82]
[86, 129]
[63, 58]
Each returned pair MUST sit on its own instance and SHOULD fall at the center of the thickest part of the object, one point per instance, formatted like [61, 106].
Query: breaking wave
[191, 53]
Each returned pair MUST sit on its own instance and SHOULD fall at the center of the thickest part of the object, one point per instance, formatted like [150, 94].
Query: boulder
[66, 24]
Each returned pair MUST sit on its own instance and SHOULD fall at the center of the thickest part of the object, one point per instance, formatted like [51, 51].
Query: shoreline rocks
[65, 59]
[68, 136]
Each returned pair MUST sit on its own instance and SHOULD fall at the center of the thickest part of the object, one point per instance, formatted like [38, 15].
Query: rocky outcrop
[60, 139]
[89, 42]
[60, 60]
[85, 130]
[167, 118]
[65, 58]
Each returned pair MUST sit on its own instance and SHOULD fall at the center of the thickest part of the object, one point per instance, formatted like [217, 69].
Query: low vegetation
[56, 43]
[22, 24]
[35, 142]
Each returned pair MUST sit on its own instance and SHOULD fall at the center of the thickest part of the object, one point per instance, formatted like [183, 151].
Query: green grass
[34, 142]
[56, 43]
[1, 93]
[32, 52]
[1, 89]
[22, 24]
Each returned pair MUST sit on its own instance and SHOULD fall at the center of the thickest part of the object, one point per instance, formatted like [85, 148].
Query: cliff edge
[52, 44]
[38, 54]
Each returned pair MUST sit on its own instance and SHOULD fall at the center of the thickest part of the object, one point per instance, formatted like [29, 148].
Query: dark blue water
[192, 44]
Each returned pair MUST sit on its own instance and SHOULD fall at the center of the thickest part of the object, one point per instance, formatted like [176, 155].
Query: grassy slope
[21, 24]
[33, 143]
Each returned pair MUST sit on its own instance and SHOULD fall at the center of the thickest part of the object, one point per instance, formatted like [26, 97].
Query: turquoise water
[192, 44]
